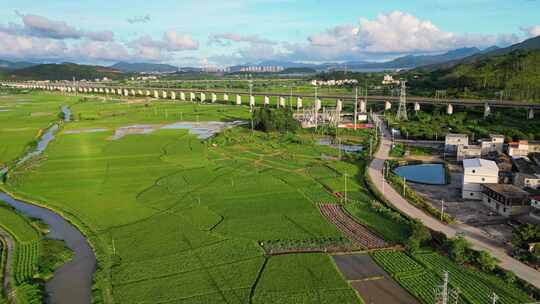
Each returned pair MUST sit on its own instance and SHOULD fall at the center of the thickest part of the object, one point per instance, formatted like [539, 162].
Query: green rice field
[176, 219]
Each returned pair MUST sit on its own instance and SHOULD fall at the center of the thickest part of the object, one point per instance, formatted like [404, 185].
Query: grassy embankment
[34, 258]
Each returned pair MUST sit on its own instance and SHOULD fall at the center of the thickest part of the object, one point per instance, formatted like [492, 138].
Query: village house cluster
[503, 176]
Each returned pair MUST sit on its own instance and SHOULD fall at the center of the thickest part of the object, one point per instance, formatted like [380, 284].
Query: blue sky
[209, 32]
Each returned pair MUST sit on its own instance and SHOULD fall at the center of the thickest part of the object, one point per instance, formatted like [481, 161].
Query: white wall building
[476, 172]
[452, 141]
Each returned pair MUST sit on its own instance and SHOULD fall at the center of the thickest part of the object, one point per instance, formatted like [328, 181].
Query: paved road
[9, 261]
[474, 235]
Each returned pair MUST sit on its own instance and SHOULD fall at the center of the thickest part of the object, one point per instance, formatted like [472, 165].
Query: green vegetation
[522, 236]
[272, 120]
[398, 150]
[34, 259]
[63, 71]
[515, 73]
[434, 123]
[22, 119]
[175, 218]
[421, 272]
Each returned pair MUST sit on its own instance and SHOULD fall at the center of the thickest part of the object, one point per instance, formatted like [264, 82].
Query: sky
[228, 32]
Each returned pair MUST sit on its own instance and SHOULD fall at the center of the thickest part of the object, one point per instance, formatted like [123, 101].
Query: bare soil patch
[382, 291]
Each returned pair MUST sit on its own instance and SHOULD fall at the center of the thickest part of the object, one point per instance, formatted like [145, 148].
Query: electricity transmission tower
[444, 294]
[402, 110]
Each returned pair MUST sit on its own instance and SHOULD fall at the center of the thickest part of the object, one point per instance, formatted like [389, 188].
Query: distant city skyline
[215, 33]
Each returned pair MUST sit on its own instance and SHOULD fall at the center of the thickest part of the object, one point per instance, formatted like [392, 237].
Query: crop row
[25, 261]
[473, 286]
[395, 261]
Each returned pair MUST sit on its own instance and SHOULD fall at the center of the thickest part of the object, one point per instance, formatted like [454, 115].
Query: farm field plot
[423, 272]
[357, 233]
[21, 119]
[372, 283]
[27, 244]
[177, 219]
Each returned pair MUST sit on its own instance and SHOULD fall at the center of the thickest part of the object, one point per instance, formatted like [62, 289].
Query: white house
[477, 171]
[495, 143]
[453, 141]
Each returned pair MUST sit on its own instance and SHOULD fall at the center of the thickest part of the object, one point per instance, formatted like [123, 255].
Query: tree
[419, 235]
[458, 249]
[270, 120]
[525, 234]
[485, 261]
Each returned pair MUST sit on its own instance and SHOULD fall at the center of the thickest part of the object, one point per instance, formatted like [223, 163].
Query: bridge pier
[266, 101]
[148, 93]
[238, 100]
[298, 103]
[363, 106]
[416, 106]
[156, 94]
[133, 93]
[450, 109]
[173, 95]
[191, 96]
[282, 102]
[164, 94]
[318, 104]
[182, 96]
[530, 114]
[140, 93]
[487, 110]
[214, 97]
[226, 97]
[251, 101]
[387, 105]
[126, 92]
[107, 91]
[203, 97]
[339, 105]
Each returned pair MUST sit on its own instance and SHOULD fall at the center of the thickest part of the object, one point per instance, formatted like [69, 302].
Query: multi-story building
[506, 200]
[477, 171]
[453, 141]
[468, 151]
[495, 143]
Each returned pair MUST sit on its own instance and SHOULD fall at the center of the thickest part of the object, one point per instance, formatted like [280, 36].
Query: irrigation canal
[72, 282]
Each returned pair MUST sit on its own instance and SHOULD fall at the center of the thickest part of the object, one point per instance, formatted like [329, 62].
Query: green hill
[517, 73]
[63, 71]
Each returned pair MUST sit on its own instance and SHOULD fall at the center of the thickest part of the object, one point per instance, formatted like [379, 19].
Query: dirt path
[474, 235]
[7, 267]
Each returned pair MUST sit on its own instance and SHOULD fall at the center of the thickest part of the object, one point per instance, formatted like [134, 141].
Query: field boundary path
[474, 235]
[353, 230]
[8, 241]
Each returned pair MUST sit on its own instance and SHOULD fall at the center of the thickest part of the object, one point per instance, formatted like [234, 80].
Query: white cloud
[139, 19]
[227, 38]
[39, 26]
[532, 31]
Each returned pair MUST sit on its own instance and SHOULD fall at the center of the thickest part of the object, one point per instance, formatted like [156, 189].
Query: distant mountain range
[426, 63]
[405, 62]
[8, 65]
[143, 67]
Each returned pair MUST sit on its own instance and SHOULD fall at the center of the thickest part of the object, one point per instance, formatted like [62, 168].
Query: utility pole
[345, 187]
[355, 107]
[402, 109]
[442, 210]
[404, 184]
[494, 298]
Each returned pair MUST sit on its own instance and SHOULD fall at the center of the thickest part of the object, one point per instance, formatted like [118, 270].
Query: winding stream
[72, 282]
